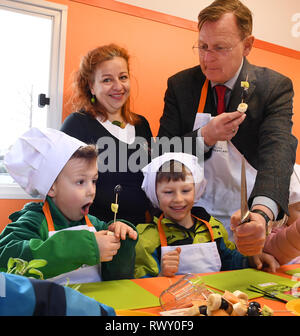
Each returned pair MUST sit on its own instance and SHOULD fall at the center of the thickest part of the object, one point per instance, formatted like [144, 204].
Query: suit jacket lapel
[198, 81]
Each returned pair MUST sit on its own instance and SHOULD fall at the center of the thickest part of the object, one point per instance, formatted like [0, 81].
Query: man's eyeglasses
[218, 50]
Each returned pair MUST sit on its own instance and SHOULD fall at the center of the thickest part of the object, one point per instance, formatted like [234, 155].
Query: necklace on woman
[121, 124]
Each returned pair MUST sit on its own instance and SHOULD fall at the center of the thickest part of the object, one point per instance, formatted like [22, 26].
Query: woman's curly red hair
[81, 98]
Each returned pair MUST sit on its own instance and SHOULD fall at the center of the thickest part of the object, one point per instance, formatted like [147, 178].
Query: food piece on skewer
[219, 312]
[241, 295]
[115, 206]
[216, 304]
[254, 309]
[230, 297]
[193, 311]
[267, 311]
[203, 310]
[242, 107]
[118, 189]
[245, 84]
[239, 309]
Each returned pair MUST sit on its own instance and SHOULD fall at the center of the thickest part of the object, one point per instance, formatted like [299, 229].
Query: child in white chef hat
[62, 171]
[183, 238]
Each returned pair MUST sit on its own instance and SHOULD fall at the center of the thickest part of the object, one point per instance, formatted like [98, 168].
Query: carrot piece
[230, 297]
[219, 312]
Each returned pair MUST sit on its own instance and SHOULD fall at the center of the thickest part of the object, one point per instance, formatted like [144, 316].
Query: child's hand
[170, 263]
[121, 230]
[108, 245]
[264, 261]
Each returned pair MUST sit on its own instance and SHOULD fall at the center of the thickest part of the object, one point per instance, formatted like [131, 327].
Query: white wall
[275, 21]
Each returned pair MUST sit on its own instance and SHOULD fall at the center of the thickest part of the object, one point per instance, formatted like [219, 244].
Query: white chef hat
[295, 185]
[190, 161]
[37, 157]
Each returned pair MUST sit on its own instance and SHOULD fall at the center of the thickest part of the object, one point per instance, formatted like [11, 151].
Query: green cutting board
[120, 294]
[242, 279]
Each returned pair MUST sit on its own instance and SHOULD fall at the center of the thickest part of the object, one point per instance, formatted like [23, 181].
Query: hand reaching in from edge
[264, 261]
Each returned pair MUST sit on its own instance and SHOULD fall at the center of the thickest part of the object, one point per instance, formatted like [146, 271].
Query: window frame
[58, 13]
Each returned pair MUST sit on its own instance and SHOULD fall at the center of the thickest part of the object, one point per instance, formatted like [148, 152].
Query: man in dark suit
[262, 134]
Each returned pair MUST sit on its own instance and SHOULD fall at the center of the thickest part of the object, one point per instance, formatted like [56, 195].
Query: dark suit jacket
[264, 138]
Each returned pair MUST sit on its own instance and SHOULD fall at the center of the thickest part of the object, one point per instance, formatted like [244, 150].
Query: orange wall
[158, 50]
[153, 60]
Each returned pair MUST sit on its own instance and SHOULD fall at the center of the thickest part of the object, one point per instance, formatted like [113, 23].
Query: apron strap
[203, 96]
[88, 222]
[208, 227]
[48, 216]
[162, 234]
[49, 219]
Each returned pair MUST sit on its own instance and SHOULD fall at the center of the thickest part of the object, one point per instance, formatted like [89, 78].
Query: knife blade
[245, 213]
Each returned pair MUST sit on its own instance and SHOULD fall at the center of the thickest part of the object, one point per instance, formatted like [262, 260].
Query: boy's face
[176, 199]
[74, 190]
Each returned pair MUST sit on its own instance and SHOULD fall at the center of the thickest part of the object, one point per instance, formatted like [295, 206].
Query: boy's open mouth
[85, 209]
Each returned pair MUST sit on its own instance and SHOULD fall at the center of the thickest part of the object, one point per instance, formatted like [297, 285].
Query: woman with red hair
[101, 99]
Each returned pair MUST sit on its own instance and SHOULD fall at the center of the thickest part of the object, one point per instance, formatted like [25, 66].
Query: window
[31, 63]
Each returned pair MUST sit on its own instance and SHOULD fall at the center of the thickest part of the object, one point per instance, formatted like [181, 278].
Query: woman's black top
[118, 163]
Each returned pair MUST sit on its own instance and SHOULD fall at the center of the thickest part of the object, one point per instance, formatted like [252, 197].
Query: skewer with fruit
[115, 206]
[228, 304]
[243, 106]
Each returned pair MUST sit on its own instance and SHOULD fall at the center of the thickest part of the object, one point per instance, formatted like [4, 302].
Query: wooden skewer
[244, 88]
[115, 213]
[118, 189]
[175, 312]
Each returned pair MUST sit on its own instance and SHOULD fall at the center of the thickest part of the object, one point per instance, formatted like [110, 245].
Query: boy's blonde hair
[88, 152]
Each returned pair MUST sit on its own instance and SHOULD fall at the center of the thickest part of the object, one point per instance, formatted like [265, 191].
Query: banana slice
[242, 107]
[239, 309]
[209, 312]
[241, 295]
[214, 302]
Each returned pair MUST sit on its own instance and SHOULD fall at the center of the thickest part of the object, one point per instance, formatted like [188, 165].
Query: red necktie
[220, 90]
